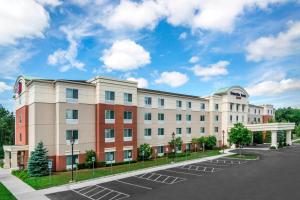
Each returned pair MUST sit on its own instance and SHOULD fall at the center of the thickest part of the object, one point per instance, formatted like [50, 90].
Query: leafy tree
[211, 141]
[288, 115]
[239, 135]
[297, 130]
[195, 142]
[89, 154]
[202, 140]
[7, 129]
[38, 161]
[147, 151]
[258, 137]
[178, 143]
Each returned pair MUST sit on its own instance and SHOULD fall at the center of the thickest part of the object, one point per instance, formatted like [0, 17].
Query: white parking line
[169, 170]
[144, 187]
[105, 195]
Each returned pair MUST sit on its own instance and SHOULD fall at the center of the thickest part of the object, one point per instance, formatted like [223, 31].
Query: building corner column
[14, 160]
[289, 137]
[6, 160]
[274, 139]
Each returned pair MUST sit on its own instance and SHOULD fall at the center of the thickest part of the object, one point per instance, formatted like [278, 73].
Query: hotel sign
[238, 95]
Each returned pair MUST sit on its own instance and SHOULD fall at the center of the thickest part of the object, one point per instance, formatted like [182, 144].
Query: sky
[185, 46]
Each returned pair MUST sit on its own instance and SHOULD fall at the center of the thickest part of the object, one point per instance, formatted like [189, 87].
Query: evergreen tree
[38, 162]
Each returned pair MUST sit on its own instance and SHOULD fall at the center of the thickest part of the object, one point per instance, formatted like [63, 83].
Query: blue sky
[191, 46]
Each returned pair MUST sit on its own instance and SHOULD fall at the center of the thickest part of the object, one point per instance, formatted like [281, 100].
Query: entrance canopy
[14, 155]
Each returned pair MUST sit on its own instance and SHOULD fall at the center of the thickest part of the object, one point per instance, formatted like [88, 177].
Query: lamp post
[223, 133]
[72, 155]
[174, 145]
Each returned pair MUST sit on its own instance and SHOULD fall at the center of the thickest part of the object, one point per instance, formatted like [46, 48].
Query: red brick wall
[118, 126]
[21, 128]
[266, 118]
[59, 162]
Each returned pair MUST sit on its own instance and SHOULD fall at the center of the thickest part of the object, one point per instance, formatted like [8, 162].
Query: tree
[89, 154]
[211, 141]
[147, 151]
[7, 129]
[258, 137]
[239, 135]
[297, 130]
[195, 142]
[178, 143]
[288, 115]
[38, 161]
[202, 141]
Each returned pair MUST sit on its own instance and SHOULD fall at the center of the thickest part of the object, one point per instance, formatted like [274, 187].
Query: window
[189, 118]
[217, 118]
[160, 150]
[254, 119]
[243, 108]
[109, 96]
[161, 102]
[189, 130]
[178, 131]
[69, 161]
[188, 146]
[230, 118]
[127, 155]
[178, 103]
[237, 107]
[147, 132]
[71, 93]
[20, 118]
[202, 130]
[255, 111]
[237, 118]
[216, 129]
[178, 117]
[71, 114]
[216, 106]
[148, 101]
[147, 116]
[258, 111]
[127, 97]
[127, 115]
[109, 133]
[202, 118]
[243, 119]
[127, 133]
[258, 120]
[202, 106]
[110, 157]
[70, 134]
[109, 114]
[188, 104]
[231, 106]
[161, 116]
[161, 131]
[20, 137]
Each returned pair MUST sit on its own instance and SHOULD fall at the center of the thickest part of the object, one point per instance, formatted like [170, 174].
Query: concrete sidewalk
[17, 187]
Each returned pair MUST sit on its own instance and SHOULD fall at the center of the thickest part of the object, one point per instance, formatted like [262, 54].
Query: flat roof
[169, 93]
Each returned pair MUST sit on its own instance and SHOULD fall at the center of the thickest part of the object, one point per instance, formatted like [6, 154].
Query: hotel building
[113, 117]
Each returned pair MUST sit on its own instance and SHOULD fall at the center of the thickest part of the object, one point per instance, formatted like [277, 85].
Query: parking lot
[276, 175]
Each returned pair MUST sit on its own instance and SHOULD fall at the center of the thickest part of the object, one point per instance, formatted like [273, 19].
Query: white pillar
[288, 137]
[274, 139]
[6, 160]
[14, 160]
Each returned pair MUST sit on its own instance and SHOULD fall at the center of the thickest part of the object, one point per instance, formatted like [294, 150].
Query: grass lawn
[244, 156]
[5, 193]
[60, 178]
[298, 141]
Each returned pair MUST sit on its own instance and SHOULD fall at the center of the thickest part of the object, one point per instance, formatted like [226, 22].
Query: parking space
[134, 186]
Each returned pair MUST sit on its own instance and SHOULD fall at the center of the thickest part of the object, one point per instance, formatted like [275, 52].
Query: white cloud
[173, 79]
[4, 87]
[142, 83]
[125, 55]
[269, 88]
[133, 15]
[268, 48]
[216, 69]
[20, 19]
[182, 36]
[194, 59]
[67, 59]
[52, 3]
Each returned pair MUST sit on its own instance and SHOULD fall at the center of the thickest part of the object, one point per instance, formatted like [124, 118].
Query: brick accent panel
[21, 132]
[266, 118]
[118, 127]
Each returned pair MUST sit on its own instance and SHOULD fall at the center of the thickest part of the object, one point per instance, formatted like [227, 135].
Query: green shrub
[147, 152]
[120, 163]
[89, 158]
[268, 137]
[211, 142]
[178, 155]
[22, 174]
[258, 138]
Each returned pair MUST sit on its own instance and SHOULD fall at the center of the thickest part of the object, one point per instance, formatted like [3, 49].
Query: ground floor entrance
[15, 156]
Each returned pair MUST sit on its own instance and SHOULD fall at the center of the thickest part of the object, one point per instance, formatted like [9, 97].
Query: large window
[72, 134]
[147, 132]
[109, 114]
[71, 114]
[127, 97]
[69, 161]
[188, 105]
[161, 131]
[160, 150]
[178, 117]
[127, 155]
[148, 101]
[189, 130]
[127, 132]
[202, 118]
[161, 102]
[110, 157]
[109, 96]
[188, 118]
[147, 116]
[127, 115]
[161, 116]
[178, 131]
[109, 133]
[178, 103]
[71, 94]
[202, 106]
